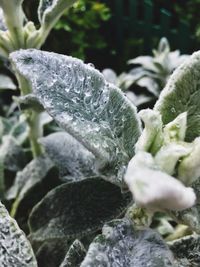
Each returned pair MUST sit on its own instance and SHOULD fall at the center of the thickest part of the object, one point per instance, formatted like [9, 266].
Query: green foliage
[186, 251]
[29, 177]
[6, 83]
[52, 253]
[74, 210]
[77, 96]
[76, 180]
[82, 23]
[149, 72]
[183, 94]
[75, 255]
[120, 243]
[72, 159]
[191, 16]
[82, 103]
[15, 249]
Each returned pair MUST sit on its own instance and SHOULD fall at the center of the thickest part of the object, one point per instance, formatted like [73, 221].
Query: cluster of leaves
[85, 194]
[191, 16]
[74, 183]
[82, 23]
[152, 73]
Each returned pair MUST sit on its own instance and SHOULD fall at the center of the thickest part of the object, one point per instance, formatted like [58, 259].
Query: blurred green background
[89, 29]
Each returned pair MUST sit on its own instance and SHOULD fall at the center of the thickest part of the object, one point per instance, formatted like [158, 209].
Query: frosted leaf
[121, 245]
[52, 252]
[175, 59]
[145, 61]
[15, 127]
[154, 189]
[19, 130]
[110, 75]
[176, 129]
[182, 94]
[29, 101]
[70, 156]
[190, 217]
[152, 137]
[31, 184]
[77, 96]
[150, 84]
[12, 158]
[6, 82]
[189, 167]
[73, 210]
[7, 4]
[33, 173]
[49, 11]
[169, 155]
[15, 249]
[186, 251]
[138, 99]
[3, 26]
[12, 154]
[163, 46]
[75, 255]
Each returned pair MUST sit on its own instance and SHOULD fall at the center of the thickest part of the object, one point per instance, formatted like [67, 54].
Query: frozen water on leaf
[12, 154]
[74, 210]
[69, 155]
[75, 255]
[15, 249]
[182, 94]
[186, 251]
[121, 245]
[31, 175]
[96, 113]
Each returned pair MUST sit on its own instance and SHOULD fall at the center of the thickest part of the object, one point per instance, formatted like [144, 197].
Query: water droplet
[91, 65]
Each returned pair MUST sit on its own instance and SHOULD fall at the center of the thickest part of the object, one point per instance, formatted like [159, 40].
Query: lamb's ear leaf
[75, 255]
[182, 94]
[121, 243]
[41, 174]
[12, 3]
[77, 96]
[16, 250]
[6, 82]
[52, 253]
[19, 130]
[12, 159]
[73, 210]
[3, 26]
[70, 156]
[49, 11]
[191, 216]
[186, 250]
[33, 172]
[29, 101]
[12, 154]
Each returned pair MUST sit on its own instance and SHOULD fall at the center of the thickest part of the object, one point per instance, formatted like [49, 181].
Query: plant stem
[35, 132]
[181, 231]
[14, 207]
[14, 17]
[33, 120]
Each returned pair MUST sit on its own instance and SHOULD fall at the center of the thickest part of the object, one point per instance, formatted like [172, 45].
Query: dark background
[92, 35]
